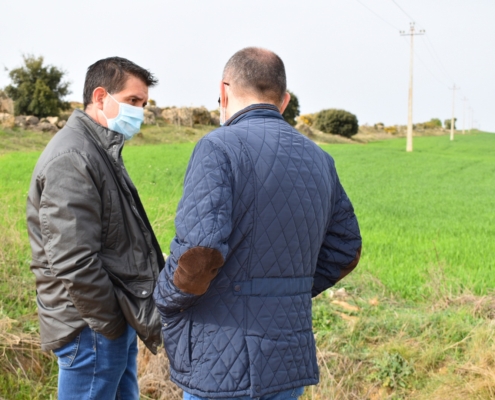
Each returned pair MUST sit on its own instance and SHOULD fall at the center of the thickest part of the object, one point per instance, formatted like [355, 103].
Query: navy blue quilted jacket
[270, 201]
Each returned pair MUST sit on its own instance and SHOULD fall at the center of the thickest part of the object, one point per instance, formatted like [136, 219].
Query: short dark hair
[259, 72]
[112, 74]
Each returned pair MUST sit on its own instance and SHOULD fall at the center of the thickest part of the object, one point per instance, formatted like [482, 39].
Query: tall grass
[25, 372]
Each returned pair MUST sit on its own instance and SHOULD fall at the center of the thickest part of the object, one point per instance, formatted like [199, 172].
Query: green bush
[435, 122]
[37, 89]
[447, 123]
[292, 111]
[338, 122]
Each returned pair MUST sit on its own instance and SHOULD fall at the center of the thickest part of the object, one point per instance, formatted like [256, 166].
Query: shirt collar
[107, 138]
[264, 109]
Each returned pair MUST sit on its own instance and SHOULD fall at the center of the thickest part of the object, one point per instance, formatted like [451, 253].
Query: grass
[415, 318]
[424, 210]
[17, 139]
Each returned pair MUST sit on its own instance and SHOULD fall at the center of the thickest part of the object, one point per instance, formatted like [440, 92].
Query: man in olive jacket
[94, 253]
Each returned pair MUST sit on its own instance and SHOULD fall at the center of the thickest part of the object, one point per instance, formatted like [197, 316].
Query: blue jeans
[94, 367]
[285, 395]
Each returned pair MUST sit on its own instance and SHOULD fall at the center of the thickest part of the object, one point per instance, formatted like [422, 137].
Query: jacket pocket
[177, 340]
[284, 360]
[137, 306]
[139, 287]
[112, 220]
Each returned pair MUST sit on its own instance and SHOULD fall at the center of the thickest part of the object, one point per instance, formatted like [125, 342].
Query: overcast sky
[338, 54]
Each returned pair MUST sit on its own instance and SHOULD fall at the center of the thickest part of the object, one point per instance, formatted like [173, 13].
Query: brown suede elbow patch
[197, 268]
[347, 270]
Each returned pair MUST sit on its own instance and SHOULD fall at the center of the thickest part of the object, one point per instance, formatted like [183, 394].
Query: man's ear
[285, 103]
[99, 95]
[223, 95]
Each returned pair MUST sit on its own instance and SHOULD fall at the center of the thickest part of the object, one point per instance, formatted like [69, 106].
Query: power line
[438, 58]
[429, 44]
[377, 15]
[404, 11]
[430, 48]
[432, 52]
[426, 67]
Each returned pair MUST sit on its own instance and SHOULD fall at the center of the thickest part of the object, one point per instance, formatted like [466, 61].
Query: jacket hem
[56, 344]
[248, 391]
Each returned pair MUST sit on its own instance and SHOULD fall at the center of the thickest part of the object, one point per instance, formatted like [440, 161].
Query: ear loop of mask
[113, 100]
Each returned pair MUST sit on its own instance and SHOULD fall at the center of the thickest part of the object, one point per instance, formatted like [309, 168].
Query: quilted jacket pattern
[269, 199]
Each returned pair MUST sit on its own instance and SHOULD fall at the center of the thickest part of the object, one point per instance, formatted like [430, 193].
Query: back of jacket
[94, 255]
[270, 201]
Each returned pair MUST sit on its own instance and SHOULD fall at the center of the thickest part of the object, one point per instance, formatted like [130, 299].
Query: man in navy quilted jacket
[263, 226]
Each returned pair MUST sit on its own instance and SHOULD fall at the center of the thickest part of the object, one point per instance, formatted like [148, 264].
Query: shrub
[392, 130]
[292, 111]
[435, 122]
[307, 119]
[447, 123]
[37, 89]
[338, 122]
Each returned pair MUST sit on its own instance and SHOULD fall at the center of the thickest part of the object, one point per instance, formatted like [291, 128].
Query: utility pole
[409, 144]
[463, 114]
[452, 121]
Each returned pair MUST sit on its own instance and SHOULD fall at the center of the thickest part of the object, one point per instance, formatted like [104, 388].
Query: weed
[391, 370]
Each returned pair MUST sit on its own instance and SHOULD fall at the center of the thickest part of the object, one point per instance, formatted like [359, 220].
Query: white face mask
[128, 121]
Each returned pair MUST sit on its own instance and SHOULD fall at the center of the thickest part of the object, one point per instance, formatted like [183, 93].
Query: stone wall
[182, 116]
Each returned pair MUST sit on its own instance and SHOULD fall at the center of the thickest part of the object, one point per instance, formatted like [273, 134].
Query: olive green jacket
[94, 253]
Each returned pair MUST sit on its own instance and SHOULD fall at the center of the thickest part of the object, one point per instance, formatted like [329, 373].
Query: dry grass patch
[154, 376]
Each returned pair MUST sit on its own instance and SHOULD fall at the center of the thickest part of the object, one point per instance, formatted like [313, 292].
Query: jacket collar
[255, 110]
[105, 137]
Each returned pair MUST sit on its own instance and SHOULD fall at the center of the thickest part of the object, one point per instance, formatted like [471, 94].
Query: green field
[423, 289]
[421, 213]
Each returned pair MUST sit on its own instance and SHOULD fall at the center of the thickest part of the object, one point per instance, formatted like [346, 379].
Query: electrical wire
[404, 11]
[428, 44]
[429, 47]
[442, 66]
[377, 15]
[436, 58]
[426, 67]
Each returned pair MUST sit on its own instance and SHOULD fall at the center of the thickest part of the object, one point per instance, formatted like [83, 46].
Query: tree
[338, 122]
[447, 123]
[37, 89]
[292, 111]
[435, 122]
